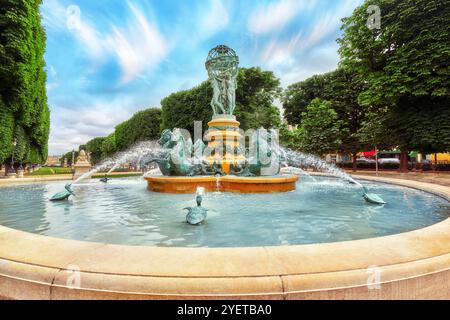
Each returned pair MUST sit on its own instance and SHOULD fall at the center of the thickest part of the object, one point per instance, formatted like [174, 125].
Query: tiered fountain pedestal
[224, 140]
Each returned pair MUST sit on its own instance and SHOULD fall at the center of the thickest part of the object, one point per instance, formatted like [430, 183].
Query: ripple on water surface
[122, 211]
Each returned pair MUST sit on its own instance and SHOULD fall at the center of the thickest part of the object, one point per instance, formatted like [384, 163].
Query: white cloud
[319, 60]
[72, 127]
[275, 15]
[281, 53]
[287, 53]
[214, 18]
[53, 15]
[91, 40]
[329, 22]
[138, 47]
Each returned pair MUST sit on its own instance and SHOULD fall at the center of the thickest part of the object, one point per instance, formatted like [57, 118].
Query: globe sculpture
[222, 65]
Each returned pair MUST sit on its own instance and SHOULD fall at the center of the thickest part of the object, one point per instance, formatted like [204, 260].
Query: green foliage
[340, 87]
[6, 132]
[405, 65]
[289, 139]
[144, 125]
[109, 146]
[69, 155]
[50, 171]
[25, 113]
[94, 147]
[320, 129]
[181, 109]
[408, 56]
[298, 96]
[427, 130]
[256, 91]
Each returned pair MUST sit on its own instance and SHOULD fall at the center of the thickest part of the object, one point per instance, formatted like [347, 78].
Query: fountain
[224, 164]
[136, 243]
[197, 214]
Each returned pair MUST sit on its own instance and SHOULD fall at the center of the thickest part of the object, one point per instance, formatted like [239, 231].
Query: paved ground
[442, 178]
[56, 177]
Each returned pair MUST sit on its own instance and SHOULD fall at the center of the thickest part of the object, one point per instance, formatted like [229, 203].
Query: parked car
[365, 160]
[389, 160]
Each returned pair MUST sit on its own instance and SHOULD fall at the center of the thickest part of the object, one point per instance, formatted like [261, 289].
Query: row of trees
[391, 88]
[143, 125]
[24, 113]
[257, 90]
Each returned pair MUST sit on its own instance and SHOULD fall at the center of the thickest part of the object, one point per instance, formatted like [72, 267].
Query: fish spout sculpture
[197, 214]
[63, 195]
[372, 197]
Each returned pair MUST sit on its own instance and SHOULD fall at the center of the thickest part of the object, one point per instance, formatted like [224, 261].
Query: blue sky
[106, 59]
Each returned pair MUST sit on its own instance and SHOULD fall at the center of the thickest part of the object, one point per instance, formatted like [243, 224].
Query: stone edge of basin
[409, 265]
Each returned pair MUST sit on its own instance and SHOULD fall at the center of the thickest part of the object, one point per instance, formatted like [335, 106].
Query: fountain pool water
[123, 212]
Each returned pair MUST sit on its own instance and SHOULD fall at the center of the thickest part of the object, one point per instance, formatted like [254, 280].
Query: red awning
[369, 153]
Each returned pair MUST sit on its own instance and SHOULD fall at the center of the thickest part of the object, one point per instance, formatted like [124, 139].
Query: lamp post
[376, 160]
[14, 144]
[11, 171]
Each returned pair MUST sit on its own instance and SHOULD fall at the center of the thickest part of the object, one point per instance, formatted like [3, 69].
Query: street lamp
[14, 144]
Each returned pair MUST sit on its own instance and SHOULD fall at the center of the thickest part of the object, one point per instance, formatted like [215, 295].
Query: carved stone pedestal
[82, 165]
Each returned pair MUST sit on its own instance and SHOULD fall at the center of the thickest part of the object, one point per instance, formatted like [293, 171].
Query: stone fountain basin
[227, 183]
[411, 265]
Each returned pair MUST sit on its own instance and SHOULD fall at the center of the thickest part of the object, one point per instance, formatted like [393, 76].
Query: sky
[107, 59]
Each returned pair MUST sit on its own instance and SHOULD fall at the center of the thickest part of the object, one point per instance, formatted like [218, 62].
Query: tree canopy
[143, 125]
[320, 130]
[256, 91]
[24, 113]
[341, 88]
[405, 66]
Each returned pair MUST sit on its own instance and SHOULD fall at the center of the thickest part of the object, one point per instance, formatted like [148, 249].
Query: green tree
[182, 108]
[68, 157]
[298, 96]
[405, 65]
[255, 94]
[94, 147]
[143, 125]
[289, 138]
[109, 146]
[320, 129]
[25, 113]
[342, 88]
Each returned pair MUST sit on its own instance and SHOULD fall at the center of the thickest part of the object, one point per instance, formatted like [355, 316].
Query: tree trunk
[354, 164]
[404, 160]
[434, 166]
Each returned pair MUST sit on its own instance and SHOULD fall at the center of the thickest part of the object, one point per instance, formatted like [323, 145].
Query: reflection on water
[123, 211]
